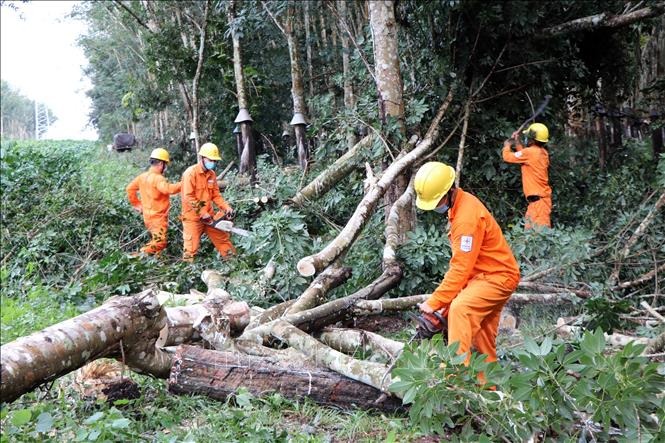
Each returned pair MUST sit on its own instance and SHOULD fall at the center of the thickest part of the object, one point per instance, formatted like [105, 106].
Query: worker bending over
[199, 192]
[535, 161]
[483, 272]
[154, 203]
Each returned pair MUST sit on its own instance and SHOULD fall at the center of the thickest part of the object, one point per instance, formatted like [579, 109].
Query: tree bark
[196, 119]
[349, 99]
[246, 142]
[315, 294]
[220, 374]
[308, 44]
[350, 341]
[136, 326]
[389, 87]
[332, 175]
[312, 264]
[460, 151]
[603, 20]
[297, 89]
[373, 374]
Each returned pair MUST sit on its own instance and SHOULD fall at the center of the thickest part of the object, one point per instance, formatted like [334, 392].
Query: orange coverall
[199, 191]
[154, 204]
[535, 181]
[483, 273]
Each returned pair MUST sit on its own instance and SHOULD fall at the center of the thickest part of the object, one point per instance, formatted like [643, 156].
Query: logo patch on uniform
[466, 243]
[210, 181]
[518, 154]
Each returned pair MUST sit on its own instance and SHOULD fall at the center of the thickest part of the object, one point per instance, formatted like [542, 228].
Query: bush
[555, 390]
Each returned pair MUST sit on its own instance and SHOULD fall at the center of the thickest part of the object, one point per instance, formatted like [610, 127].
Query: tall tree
[246, 140]
[388, 79]
[299, 120]
[349, 99]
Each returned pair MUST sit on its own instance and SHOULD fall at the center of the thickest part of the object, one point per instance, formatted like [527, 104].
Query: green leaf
[21, 417]
[546, 346]
[93, 418]
[531, 346]
[120, 423]
[44, 422]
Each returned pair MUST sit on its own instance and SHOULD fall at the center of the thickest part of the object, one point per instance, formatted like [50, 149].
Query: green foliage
[551, 389]
[425, 256]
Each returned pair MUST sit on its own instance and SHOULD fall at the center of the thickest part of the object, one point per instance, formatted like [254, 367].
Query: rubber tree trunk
[297, 89]
[196, 81]
[389, 88]
[134, 328]
[247, 157]
[308, 44]
[220, 374]
[349, 99]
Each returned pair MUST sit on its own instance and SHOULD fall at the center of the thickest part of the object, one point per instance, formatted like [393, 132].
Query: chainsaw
[428, 325]
[225, 225]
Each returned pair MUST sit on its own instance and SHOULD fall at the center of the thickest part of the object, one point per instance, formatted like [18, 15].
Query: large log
[219, 374]
[134, 328]
[48, 354]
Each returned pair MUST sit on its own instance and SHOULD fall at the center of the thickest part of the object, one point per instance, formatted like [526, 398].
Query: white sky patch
[39, 56]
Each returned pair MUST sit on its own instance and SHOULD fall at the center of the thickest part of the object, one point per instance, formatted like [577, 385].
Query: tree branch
[603, 20]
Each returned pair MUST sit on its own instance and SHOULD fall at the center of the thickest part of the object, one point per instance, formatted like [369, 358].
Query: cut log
[219, 374]
[312, 264]
[136, 328]
[48, 354]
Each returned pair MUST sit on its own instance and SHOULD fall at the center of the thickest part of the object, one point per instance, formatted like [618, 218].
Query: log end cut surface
[218, 374]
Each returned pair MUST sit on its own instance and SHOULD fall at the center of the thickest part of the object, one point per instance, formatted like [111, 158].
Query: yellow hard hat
[209, 150]
[160, 154]
[433, 181]
[538, 132]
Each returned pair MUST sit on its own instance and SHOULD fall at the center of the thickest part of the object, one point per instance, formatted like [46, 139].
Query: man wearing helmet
[483, 272]
[154, 203]
[199, 192]
[535, 181]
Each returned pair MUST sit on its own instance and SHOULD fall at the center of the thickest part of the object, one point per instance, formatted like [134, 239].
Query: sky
[39, 56]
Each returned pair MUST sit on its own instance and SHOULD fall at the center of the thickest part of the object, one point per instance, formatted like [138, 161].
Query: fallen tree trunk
[392, 305]
[57, 350]
[313, 264]
[334, 174]
[219, 374]
[314, 295]
[134, 328]
[350, 341]
[373, 374]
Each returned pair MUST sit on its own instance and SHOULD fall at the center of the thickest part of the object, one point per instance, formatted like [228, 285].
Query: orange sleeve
[466, 239]
[218, 199]
[521, 156]
[189, 201]
[132, 192]
[167, 188]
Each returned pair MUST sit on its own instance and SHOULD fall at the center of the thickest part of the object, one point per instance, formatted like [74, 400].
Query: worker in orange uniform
[199, 192]
[155, 202]
[483, 272]
[535, 161]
